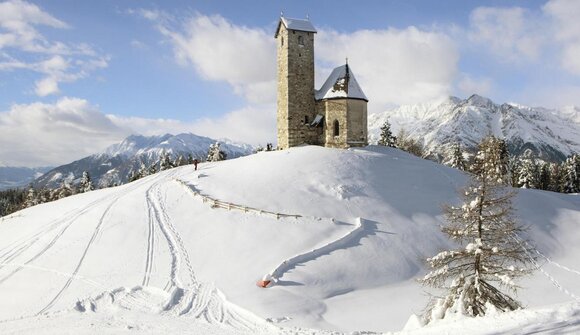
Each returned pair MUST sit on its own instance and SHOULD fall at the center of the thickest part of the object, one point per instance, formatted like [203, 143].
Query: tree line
[563, 177]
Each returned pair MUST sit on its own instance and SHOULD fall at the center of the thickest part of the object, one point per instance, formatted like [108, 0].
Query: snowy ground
[158, 255]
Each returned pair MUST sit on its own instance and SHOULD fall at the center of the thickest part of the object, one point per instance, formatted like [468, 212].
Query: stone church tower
[335, 115]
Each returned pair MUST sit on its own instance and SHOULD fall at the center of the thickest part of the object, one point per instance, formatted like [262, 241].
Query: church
[333, 116]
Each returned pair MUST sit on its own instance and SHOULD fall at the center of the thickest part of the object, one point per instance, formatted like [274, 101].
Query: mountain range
[12, 177]
[538, 132]
[115, 164]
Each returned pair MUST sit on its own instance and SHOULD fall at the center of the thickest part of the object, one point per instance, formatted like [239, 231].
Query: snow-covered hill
[114, 165]
[532, 132]
[343, 233]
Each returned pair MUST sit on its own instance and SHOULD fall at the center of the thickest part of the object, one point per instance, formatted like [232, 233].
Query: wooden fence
[215, 203]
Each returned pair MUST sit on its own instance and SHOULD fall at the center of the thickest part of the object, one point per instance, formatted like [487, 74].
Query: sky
[77, 76]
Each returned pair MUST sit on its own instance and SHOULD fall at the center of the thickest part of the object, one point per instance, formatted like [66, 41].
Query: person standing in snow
[195, 162]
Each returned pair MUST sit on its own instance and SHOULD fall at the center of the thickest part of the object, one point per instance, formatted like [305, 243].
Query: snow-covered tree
[165, 161]
[492, 158]
[572, 174]
[31, 198]
[528, 174]
[556, 177]
[63, 191]
[490, 254]
[387, 138]
[457, 160]
[215, 154]
[85, 185]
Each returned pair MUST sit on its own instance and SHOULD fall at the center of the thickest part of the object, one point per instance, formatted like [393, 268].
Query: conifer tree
[85, 185]
[556, 177]
[165, 161]
[572, 174]
[387, 138]
[215, 154]
[457, 161]
[492, 159]
[31, 198]
[529, 174]
[490, 252]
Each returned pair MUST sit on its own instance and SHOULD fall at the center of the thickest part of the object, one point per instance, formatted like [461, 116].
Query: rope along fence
[215, 203]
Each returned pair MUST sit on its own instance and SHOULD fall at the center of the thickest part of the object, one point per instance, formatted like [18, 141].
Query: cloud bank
[22, 44]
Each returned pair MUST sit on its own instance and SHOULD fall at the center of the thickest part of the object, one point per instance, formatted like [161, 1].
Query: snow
[298, 24]
[341, 83]
[152, 257]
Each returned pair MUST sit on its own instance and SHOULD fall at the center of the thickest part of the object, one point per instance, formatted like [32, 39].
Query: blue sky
[76, 76]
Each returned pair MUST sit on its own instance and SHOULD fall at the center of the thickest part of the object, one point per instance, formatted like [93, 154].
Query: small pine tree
[490, 250]
[65, 190]
[214, 153]
[165, 161]
[31, 198]
[529, 174]
[387, 138]
[572, 174]
[556, 177]
[457, 160]
[545, 179]
[492, 159]
[85, 185]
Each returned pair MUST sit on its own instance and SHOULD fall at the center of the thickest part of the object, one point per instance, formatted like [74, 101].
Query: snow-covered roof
[295, 24]
[341, 84]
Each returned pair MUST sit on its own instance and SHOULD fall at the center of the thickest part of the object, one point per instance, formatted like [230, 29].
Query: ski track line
[18, 247]
[96, 232]
[199, 300]
[57, 236]
[150, 247]
[356, 234]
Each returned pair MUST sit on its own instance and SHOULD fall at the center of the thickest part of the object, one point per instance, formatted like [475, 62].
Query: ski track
[17, 248]
[189, 299]
[96, 233]
[195, 299]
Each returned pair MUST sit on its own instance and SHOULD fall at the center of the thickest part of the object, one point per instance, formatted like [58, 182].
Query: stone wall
[336, 110]
[357, 123]
[351, 115]
[296, 104]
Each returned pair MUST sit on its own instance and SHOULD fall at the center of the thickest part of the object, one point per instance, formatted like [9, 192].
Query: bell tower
[295, 103]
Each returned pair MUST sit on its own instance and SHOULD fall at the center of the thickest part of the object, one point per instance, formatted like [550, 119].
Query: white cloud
[512, 34]
[221, 51]
[41, 134]
[565, 16]
[48, 134]
[394, 66]
[469, 85]
[59, 62]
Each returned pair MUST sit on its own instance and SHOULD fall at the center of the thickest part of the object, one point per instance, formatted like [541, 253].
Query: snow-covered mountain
[11, 177]
[114, 165]
[530, 131]
[343, 234]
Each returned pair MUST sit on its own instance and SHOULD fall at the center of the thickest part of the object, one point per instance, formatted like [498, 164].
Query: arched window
[282, 39]
[336, 128]
[300, 40]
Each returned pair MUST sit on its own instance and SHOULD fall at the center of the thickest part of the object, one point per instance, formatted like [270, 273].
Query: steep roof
[295, 24]
[341, 84]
